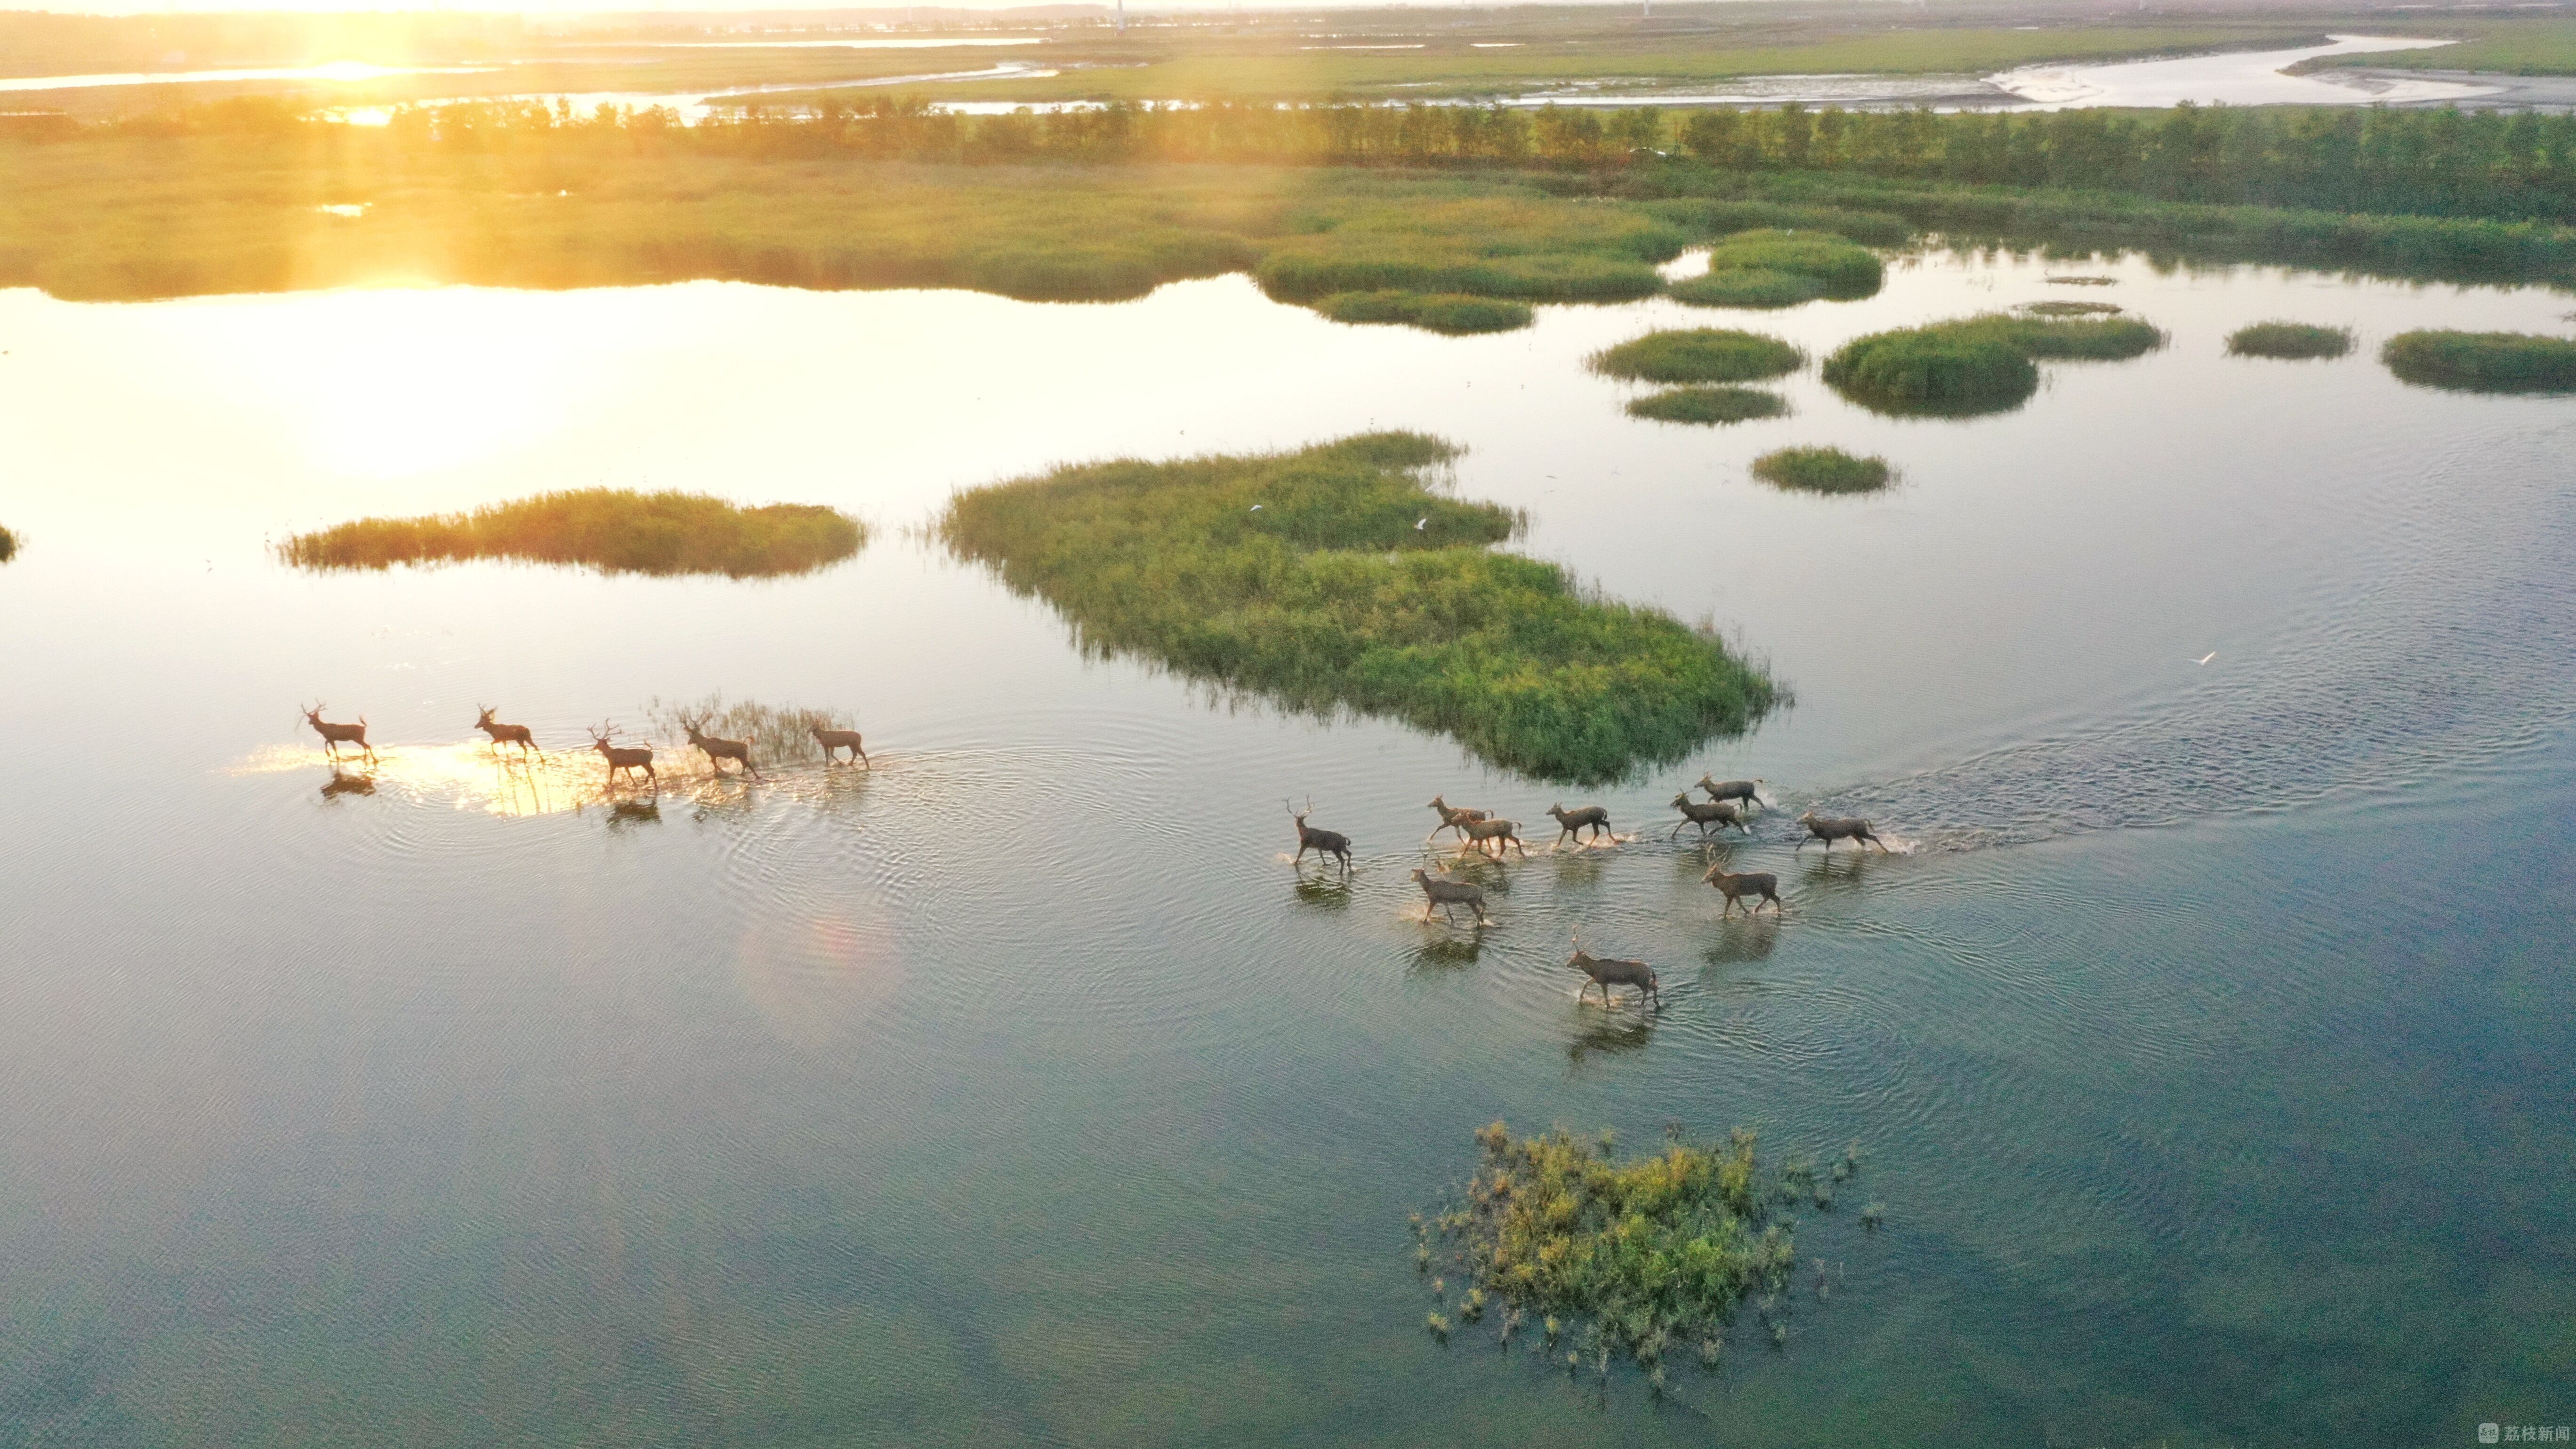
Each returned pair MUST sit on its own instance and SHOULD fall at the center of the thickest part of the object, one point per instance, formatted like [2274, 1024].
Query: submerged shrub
[1699, 354]
[8, 545]
[1452, 314]
[1821, 470]
[1747, 287]
[2069, 309]
[2482, 361]
[1334, 578]
[1707, 405]
[615, 530]
[1845, 270]
[2289, 340]
[1974, 364]
[1652, 1251]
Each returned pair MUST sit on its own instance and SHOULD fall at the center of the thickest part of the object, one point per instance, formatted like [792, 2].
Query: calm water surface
[2210, 1044]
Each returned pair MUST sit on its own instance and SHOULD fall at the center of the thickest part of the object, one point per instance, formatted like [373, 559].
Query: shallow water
[2234, 78]
[2209, 1044]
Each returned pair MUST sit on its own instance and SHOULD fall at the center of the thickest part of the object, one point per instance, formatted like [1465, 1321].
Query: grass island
[614, 530]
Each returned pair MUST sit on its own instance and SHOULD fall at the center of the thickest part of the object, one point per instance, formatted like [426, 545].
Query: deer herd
[1729, 805]
[630, 761]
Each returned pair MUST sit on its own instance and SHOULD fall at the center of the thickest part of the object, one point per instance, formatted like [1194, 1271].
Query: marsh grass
[1821, 470]
[1334, 578]
[1747, 287]
[1845, 270]
[1497, 244]
[2069, 309]
[1650, 1253]
[1974, 364]
[1710, 216]
[779, 734]
[614, 530]
[1698, 354]
[2290, 341]
[1707, 405]
[1430, 311]
[2482, 361]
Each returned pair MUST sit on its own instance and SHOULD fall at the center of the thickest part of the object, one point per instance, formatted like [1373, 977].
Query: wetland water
[2211, 1048]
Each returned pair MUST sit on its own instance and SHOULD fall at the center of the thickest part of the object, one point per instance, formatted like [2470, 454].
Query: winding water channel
[2209, 1044]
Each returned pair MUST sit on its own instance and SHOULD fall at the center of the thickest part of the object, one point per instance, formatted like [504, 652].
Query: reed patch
[1839, 267]
[1603, 1260]
[1698, 354]
[2289, 341]
[1430, 311]
[1707, 405]
[614, 530]
[1335, 578]
[2482, 361]
[1974, 364]
[1821, 470]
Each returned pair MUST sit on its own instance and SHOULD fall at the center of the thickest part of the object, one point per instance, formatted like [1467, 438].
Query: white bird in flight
[2205, 658]
[1422, 523]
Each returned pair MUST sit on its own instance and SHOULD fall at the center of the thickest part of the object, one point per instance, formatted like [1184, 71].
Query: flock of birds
[1728, 804]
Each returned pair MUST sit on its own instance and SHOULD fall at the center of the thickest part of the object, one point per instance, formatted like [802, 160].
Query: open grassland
[613, 530]
[2543, 45]
[2289, 341]
[1334, 578]
[2482, 361]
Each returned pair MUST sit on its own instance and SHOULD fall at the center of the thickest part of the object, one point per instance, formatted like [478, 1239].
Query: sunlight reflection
[468, 775]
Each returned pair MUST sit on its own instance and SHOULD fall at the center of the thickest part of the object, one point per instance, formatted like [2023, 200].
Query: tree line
[2351, 159]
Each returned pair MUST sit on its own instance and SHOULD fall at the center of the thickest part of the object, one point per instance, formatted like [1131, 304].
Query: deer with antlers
[623, 757]
[1315, 838]
[1607, 972]
[504, 734]
[336, 735]
[834, 740]
[718, 750]
[1746, 883]
[1720, 813]
[1453, 817]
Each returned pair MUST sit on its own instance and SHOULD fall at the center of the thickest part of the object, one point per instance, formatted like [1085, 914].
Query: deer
[504, 733]
[1454, 817]
[1720, 813]
[1747, 883]
[623, 757]
[721, 750]
[1323, 842]
[1607, 972]
[1748, 791]
[1448, 894]
[336, 735]
[1574, 822]
[1830, 828]
[1479, 832]
[832, 740]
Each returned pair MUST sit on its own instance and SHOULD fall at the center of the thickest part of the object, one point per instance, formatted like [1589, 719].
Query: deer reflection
[623, 814]
[1743, 940]
[1325, 889]
[1449, 953]
[345, 784]
[1613, 1036]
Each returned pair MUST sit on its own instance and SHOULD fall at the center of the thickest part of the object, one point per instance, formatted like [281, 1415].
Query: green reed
[1974, 364]
[1844, 270]
[1430, 311]
[1333, 578]
[1698, 354]
[615, 530]
[1707, 405]
[1747, 287]
[2482, 361]
[1821, 470]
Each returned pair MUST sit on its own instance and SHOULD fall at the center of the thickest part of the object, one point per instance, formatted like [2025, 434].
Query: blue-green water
[2210, 1048]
